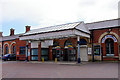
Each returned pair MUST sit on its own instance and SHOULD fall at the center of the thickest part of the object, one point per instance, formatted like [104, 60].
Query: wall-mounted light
[108, 32]
[110, 29]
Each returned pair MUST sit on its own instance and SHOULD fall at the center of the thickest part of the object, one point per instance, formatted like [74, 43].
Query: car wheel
[8, 59]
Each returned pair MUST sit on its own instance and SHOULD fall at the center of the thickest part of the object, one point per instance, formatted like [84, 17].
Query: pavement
[21, 69]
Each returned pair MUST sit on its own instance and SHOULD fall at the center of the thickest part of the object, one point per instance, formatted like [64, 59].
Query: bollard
[55, 60]
[43, 60]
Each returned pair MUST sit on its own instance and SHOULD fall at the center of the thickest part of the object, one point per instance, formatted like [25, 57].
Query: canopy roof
[59, 28]
[58, 31]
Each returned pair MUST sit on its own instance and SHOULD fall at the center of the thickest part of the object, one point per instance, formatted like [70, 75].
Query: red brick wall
[62, 41]
[50, 53]
[18, 44]
[98, 33]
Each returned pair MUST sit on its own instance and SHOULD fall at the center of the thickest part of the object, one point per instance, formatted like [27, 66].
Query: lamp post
[92, 49]
[78, 43]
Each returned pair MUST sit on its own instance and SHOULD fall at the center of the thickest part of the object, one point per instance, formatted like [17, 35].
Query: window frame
[21, 53]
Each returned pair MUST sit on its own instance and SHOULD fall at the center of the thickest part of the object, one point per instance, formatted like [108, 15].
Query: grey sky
[53, 12]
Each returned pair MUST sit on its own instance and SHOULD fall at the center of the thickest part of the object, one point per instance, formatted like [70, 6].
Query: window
[44, 53]
[6, 50]
[83, 42]
[13, 49]
[97, 49]
[22, 50]
[34, 54]
[109, 44]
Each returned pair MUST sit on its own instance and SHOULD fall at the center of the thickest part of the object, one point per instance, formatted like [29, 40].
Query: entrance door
[83, 54]
[69, 54]
[109, 44]
[66, 55]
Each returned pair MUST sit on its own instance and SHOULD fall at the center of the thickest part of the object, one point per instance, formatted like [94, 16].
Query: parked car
[9, 57]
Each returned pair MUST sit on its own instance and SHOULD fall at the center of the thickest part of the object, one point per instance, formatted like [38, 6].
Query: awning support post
[78, 51]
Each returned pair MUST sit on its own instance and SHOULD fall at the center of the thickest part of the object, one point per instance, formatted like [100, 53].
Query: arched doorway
[69, 51]
[109, 46]
[57, 51]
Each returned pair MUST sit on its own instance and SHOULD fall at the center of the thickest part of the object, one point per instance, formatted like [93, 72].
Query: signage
[17, 53]
[89, 51]
[109, 36]
[97, 49]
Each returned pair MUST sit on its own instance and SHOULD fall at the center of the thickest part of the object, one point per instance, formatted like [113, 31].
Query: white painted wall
[34, 44]
[46, 43]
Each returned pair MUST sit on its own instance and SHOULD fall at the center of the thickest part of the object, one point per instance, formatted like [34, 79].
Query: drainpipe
[78, 43]
[92, 48]
[26, 51]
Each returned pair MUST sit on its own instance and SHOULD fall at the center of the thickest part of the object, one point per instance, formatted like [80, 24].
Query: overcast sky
[43, 13]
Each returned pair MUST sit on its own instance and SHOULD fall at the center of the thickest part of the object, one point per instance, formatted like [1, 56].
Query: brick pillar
[50, 52]
[17, 51]
[104, 51]
[116, 49]
[39, 51]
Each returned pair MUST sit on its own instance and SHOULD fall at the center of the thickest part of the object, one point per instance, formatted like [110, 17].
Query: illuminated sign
[109, 36]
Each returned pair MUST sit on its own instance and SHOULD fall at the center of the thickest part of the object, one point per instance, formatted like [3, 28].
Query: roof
[103, 24]
[0, 39]
[4, 38]
[57, 28]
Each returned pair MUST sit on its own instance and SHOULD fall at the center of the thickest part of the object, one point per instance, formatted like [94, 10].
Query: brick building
[106, 39]
[66, 42]
[13, 45]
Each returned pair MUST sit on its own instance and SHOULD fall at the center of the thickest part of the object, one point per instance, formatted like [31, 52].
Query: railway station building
[66, 42]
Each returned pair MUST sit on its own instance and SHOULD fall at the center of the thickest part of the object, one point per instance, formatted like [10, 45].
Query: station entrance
[68, 53]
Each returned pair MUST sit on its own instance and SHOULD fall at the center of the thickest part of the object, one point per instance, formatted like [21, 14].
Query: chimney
[1, 34]
[27, 28]
[11, 31]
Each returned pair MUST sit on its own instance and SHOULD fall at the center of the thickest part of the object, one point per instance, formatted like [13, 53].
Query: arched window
[83, 42]
[6, 50]
[13, 49]
[55, 43]
[109, 44]
[67, 42]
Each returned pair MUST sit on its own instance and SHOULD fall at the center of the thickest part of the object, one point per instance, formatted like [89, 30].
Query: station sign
[109, 36]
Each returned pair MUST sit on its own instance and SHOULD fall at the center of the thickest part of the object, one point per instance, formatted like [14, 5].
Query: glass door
[71, 55]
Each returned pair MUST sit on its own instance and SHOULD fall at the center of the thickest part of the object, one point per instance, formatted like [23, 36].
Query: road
[12, 69]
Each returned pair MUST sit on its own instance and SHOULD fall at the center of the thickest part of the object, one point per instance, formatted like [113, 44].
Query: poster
[89, 51]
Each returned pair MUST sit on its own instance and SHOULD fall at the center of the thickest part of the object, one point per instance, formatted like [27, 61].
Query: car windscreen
[6, 54]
